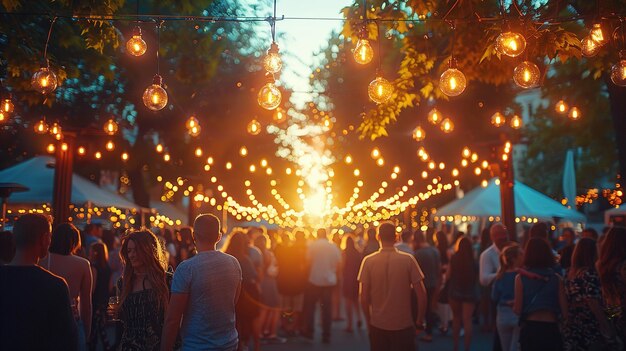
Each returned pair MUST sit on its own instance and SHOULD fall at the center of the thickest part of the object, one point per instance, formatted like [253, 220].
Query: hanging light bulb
[574, 113]
[110, 146]
[191, 122]
[155, 97]
[279, 115]
[589, 47]
[269, 96]
[194, 131]
[434, 116]
[198, 152]
[380, 90]
[596, 34]
[41, 127]
[498, 120]
[363, 52]
[167, 157]
[50, 148]
[98, 155]
[159, 148]
[375, 153]
[561, 107]
[81, 150]
[44, 80]
[254, 127]
[526, 75]
[447, 126]
[510, 44]
[7, 105]
[419, 134]
[135, 45]
[124, 156]
[272, 61]
[516, 122]
[55, 129]
[618, 71]
[3, 117]
[243, 151]
[110, 127]
[452, 81]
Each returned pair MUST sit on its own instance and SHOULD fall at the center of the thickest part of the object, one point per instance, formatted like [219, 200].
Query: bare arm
[86, 290]
[171, 326]
[519, 296]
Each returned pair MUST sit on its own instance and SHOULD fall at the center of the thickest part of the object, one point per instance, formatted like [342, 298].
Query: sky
[303, 38]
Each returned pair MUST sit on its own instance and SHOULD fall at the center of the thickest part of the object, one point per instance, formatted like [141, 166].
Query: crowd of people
[188, 289]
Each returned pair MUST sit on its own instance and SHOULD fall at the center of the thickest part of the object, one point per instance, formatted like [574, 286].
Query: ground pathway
[357, 341]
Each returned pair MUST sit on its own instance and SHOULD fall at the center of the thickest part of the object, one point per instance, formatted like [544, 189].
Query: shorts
[292, 303]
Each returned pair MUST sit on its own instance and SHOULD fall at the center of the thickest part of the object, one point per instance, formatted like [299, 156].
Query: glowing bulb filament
[44, 82]
[155, 99]
[452, 83]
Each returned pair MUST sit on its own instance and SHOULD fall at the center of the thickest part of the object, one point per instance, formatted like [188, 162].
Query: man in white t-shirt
[324, 259]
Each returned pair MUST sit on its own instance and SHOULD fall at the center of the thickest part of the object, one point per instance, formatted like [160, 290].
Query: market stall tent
[485, 202]
[39, 178]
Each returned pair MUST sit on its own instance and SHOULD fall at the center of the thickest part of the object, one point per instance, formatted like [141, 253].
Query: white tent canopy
[36, 175]
[485, 202]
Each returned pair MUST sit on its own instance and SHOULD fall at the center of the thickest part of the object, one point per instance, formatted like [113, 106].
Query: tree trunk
[617, 101]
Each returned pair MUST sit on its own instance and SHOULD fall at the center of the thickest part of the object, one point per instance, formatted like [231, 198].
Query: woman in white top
[76, 271]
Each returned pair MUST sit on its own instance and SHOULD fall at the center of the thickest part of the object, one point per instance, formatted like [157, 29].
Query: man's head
[419, 238]
[387, 233]
[498, 235]
[253, 233]
[206, 229]
[539, 230]
[32, 233]
[407, 236]
[590, 233]
[321, 233]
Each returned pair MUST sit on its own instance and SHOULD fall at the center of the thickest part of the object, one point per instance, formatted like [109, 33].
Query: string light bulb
[3, 117]
[589, 47]
[434, 116]
[98, 155]
[597, 35]
[516, 122]
[254, 127]
[136, 46]
[279, 115]
[124, 156]
[159, 148]
[510, 44]
[50, 148]
[452, 82]
[526, 75]
[55, 129]
[269, 96]
[574, 113]
[380, 90]
[44, 80]
[155, 97]
[375, 153]
[198, 152]
[561, 107]
[272, 61]
[618, 71]
[243, 151]
[419, 134]
[191, 122]
[81, 150]
[363, 52]
[447, 126]
[110, 127]
[7, 105]
[194, 131]
[497, 120]
[110, 146]
[41, 127]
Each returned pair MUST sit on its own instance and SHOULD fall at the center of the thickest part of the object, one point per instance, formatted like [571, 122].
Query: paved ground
[357, 341]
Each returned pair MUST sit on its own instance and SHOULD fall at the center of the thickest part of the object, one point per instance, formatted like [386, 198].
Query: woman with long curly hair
[611, 268]
[143, 291]
[248, 306]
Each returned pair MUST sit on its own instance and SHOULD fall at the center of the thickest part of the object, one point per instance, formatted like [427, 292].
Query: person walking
[503, 294]
[443, 307]
[292, 281]
[352, 259]
[103, 286]
[35, 304]
[205, 290]
[539, 298]
[463, 290]
[270, 298]
[611, 268]
[428, 259]
[324, 258]
[387, 279]
[63, 261]
[586, 323]
[144, 292]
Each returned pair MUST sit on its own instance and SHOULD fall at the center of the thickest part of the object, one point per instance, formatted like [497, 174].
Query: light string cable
[45, 50]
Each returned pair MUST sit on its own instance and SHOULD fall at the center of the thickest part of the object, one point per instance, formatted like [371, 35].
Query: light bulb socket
[158, 80]
[379, 72]
[45, 63]
[452, 63]
[363, 31]
[137, 31]
[269, 78]
[273, 48]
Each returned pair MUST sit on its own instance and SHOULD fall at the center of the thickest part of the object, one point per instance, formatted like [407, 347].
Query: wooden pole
[62, 187]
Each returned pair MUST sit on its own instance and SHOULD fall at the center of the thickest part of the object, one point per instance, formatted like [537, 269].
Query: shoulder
[51, 279]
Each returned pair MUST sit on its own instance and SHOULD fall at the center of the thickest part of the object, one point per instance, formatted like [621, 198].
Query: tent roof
[36, 175]
[529, 202]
